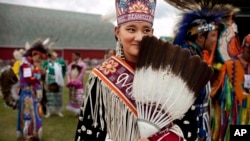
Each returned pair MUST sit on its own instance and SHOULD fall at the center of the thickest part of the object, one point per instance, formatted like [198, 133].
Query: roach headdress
[37, 47]
[199, 16]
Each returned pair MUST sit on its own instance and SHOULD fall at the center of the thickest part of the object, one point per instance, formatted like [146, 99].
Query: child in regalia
[75, 83]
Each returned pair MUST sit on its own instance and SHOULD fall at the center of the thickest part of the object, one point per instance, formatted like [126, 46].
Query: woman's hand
[143, 139]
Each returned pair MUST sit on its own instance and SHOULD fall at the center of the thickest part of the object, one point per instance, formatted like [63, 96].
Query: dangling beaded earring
[119, 49]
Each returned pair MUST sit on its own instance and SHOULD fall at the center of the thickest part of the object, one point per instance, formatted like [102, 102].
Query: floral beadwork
[108, 67]
[138, 7]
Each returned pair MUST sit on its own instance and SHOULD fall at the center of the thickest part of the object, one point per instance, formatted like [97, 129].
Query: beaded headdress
[135, 10]
[130, 10]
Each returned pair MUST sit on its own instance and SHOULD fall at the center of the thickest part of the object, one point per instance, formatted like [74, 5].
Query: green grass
[54, 128]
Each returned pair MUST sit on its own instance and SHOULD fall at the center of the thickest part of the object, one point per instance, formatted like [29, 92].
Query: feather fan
[166, 83]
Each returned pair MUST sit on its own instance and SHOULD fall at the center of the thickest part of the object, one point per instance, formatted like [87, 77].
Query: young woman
[109, 108]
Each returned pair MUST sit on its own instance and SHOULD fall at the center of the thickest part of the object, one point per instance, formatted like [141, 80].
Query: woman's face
[130, 35]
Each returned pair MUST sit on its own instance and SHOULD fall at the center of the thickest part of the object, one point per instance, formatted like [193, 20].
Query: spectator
[75, 82]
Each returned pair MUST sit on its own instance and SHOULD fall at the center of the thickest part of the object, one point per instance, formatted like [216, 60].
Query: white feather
[27, 46]
[167, 91]
[18, 54]
[46, 41]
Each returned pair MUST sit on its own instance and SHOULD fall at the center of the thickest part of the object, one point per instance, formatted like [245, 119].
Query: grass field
[54, 128]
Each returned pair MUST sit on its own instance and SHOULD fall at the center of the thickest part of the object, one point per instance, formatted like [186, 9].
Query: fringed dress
[109, 111]
[104, 111]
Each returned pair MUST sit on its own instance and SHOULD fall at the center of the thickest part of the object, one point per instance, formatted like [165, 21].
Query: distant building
[81, 32]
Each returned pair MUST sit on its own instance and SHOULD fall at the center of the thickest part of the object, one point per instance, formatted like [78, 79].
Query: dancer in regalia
[75, 82]
[29, 121]
[232, 97]
[199, 30]
[109, 110]
[54, 82]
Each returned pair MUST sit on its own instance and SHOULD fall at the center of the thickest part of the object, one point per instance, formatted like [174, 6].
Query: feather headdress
[199, 16]
[166, 83]
[37, 47]
[9, 81]
[18, 54]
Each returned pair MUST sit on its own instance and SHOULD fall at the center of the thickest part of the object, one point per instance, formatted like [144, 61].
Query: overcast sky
[165, 16]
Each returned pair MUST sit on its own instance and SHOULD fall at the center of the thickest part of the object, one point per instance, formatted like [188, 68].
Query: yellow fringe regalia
[231, 101]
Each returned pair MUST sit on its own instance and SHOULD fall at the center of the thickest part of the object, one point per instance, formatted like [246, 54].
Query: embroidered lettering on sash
[123, 80]
[119, 79]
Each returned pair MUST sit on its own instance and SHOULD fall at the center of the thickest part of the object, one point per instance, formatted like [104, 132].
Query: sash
[118, 76]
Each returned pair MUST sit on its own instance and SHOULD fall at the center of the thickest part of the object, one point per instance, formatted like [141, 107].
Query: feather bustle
[7, 80]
